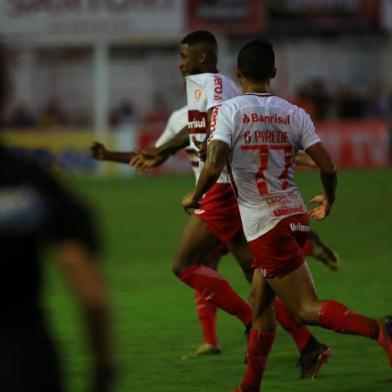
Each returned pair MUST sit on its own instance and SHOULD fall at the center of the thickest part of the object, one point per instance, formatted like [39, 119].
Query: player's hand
[189, 203]
[98, 151]
[201, 148]
[322, 210]
[146, 159]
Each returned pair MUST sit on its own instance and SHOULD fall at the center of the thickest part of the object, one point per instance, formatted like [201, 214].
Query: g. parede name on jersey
[256, 136]
[264, 136]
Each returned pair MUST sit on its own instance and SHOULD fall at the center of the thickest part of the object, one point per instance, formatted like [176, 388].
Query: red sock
[217, 290]
[299, 332]
[259, 347]
[307, 249]
[339, 318]
[207, 317]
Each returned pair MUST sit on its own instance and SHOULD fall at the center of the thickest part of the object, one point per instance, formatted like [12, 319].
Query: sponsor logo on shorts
[199, 212]
[299, 227]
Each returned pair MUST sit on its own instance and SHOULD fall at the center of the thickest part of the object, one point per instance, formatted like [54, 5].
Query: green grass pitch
[154, 315]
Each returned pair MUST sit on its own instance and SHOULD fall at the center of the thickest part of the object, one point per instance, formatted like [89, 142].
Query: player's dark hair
[200, 37]
[256, 60]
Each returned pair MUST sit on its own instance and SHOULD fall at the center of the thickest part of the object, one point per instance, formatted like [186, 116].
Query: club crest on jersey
[198, 94]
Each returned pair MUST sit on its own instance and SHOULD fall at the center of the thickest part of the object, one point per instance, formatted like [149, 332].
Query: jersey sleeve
[308, 135]
[177, 121]
[222, 125]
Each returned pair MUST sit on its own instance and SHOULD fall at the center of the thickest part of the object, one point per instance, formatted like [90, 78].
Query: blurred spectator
[317, 92]
[379, 102]
[81, 119]
[159, 112]
[314, 99]
[52, 115]
[344, 103]
[350, 103]
[303, 101]
[123, 116]
[21, 117]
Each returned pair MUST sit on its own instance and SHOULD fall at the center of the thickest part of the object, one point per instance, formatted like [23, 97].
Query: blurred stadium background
[106, 70]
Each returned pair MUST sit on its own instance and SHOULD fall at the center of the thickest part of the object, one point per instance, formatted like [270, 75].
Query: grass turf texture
[154, 314]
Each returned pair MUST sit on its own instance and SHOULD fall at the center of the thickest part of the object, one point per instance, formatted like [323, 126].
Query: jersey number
[260, 178]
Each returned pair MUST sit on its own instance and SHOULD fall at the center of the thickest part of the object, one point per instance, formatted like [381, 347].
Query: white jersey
[264, 133]
[205, 91]
[177, 121]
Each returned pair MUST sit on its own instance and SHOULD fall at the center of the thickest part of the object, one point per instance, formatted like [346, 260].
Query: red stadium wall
[357, 144]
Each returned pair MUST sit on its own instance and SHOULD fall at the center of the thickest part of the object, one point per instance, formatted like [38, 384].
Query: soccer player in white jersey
[257, 135]
[218, 220]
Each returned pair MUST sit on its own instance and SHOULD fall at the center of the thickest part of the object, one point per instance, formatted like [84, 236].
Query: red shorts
[219, 210]
[279, 251]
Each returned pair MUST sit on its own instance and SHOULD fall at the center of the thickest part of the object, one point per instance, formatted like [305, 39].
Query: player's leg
[289, 276]
[196, 242]
[206, 311]
[262, 334]
[239, 248]
[309, 347]
[296, 289]
[318, 249]
[313, 354]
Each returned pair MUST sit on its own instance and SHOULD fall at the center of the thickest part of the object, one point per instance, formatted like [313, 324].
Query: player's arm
[155, 156]
[74, 235]
[328, 175]
[85, 279]
[303, 159]
[217, 155]
[101, 153]
[176, 143]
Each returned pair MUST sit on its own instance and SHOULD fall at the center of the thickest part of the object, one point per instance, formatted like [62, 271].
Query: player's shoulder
[210, 77]
[221, 80]
[296, 110]
[177, 120]
[235, 103]
[179, 113]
